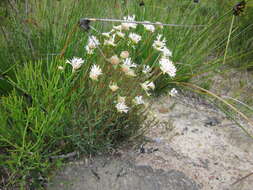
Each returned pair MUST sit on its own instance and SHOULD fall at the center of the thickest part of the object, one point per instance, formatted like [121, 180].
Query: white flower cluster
[121, 103]
[166, 65]
[125, 62]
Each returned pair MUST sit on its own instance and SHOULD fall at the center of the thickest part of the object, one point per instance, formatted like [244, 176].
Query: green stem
[229, 36]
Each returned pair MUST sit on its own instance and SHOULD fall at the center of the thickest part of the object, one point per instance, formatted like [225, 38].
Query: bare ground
[195, 147]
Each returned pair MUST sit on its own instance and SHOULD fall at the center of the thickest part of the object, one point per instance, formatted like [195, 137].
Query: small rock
[211, 121]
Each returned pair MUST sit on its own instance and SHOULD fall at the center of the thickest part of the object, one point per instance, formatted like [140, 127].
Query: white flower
[120, 34]
[167, 67]
[166, 52]
[135, 37]
[128, 62]
[159, 43]
[95, 72]
[114, 60]
[93, 42]
[138, 100]
[146, 69]
[110, 41]
[113, 86]
[126, 67]
[119, 27]
[106, 34]
[127, 70]
[89, 50]
[127, 25]
[76, 63]
[173, 92]
[130, 72]
[121, 98]
[124, 54]
[60, 67]
[149, 27]
[122, 107]
[148, 85]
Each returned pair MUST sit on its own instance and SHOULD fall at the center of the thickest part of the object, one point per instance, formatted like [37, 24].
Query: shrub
[87, 104]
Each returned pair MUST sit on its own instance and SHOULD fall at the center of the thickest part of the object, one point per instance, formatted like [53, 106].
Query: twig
[139, 22]
[242, 178]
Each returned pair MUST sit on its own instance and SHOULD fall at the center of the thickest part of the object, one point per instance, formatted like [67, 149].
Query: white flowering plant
[88, 91]
[88, 102]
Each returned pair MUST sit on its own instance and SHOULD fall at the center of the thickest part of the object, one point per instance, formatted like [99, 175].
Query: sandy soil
[198, 140]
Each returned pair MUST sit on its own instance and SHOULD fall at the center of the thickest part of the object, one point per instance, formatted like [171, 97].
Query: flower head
[113, 86]
[114, 60]
[119, 27]
[128, 62]
[106, 34]
[110, 41]
[166, 52]
[93, 42]
[138, 100]
[135, 37]
[121, 98]
[95, 72]
[124, 54]
[126, 67]
[159, 43]
[173, 92]
[146, 69]
[148, 85]
[130, 72]
[149, 27]
[76, 63]
[167, 67]
[120, 34]
[128, 25]
[122, 107]
[89, 50]
[127, 70]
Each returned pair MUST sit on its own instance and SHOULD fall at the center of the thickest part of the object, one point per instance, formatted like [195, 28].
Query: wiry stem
[139, 22]
[229, 36]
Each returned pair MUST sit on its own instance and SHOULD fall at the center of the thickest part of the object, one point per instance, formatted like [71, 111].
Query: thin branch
[139, 22]
[243, 178]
